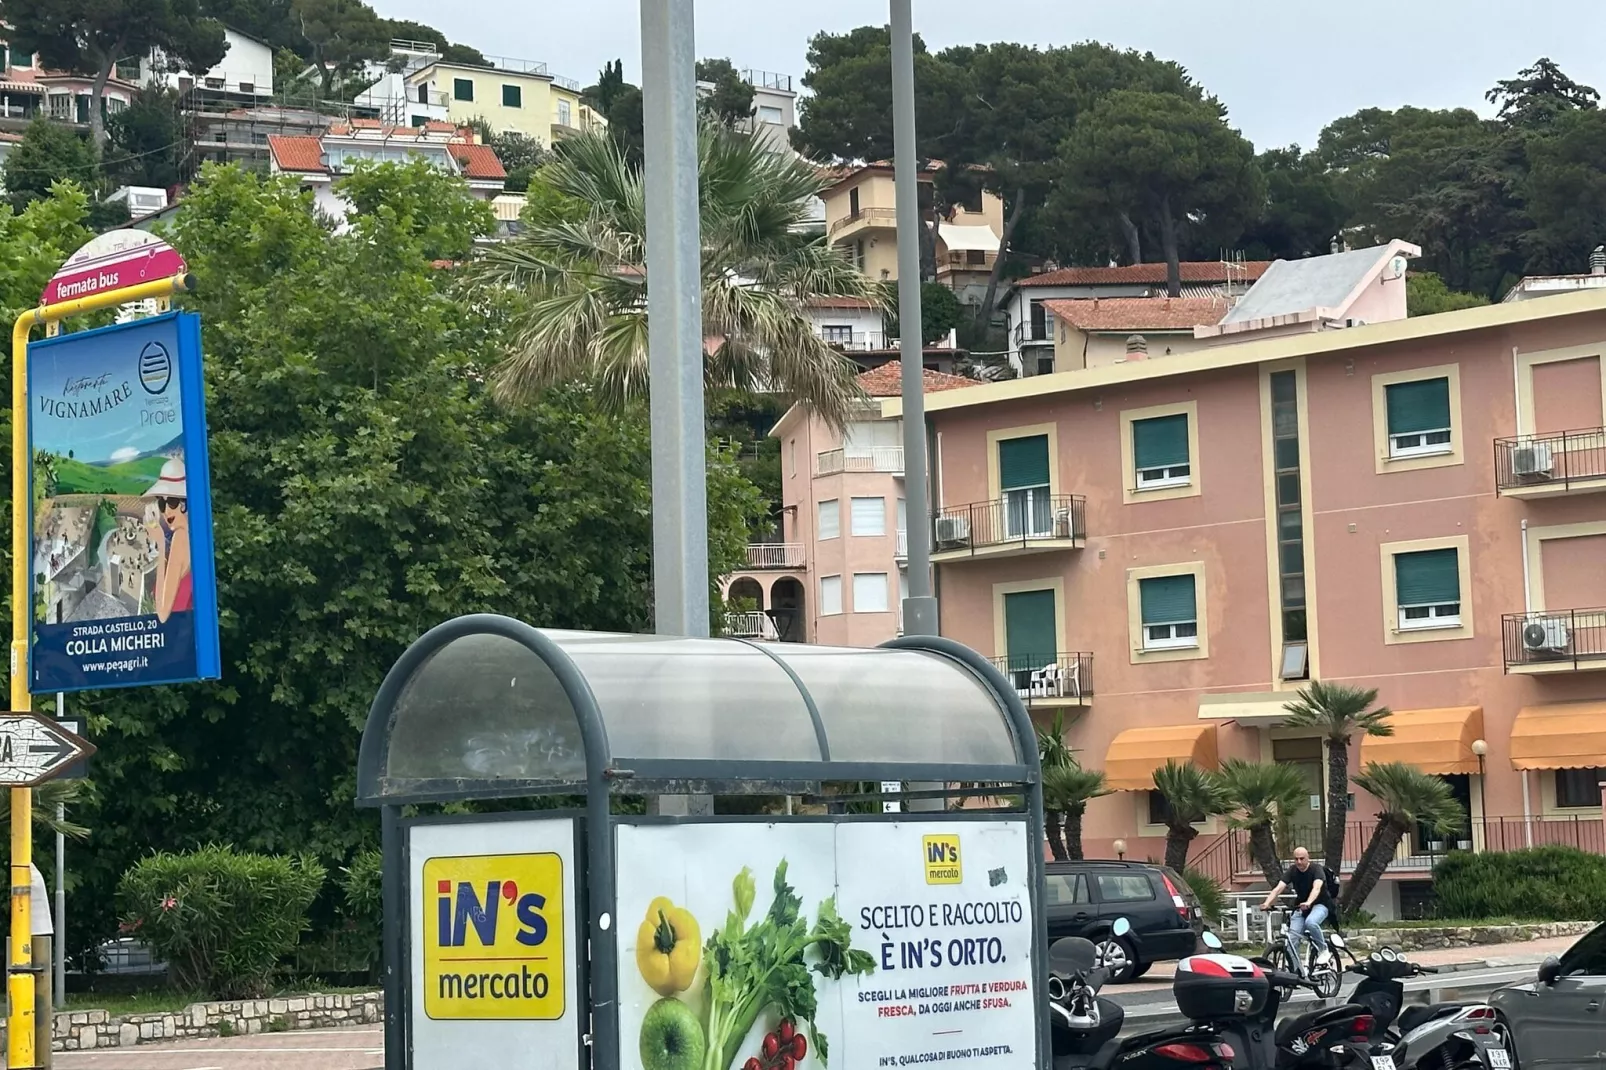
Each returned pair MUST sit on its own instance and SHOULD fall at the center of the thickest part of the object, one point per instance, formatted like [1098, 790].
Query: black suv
[1084, 899]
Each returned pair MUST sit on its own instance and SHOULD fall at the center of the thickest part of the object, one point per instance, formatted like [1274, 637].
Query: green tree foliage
[1566, 191]
[1166, 162]
[730, 100]
[366, 487]
[33, 243]
[411, 198]
[1303, 211]
[49, 153]
[90, 36]
[1407, 798]
[1539, 95]
[267, 20]
[1067, 789]
[1426, 293]
[1544, 883]
[1339, 712]
[341, 36]
[521, 155]
[146, 140]
[1192, 795]
[1258, 793]
[619, 102]
[940, 310]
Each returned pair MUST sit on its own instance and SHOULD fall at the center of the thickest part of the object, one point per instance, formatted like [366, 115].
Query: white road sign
[35, 748]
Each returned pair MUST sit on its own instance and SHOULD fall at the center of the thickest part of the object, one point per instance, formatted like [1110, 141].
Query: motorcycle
[1459, 1036]
[1085, 1025]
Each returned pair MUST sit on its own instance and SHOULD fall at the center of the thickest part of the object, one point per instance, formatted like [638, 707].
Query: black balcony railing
[1561, 638]
[1019, 518]
[1049, 677]
[1555, 460]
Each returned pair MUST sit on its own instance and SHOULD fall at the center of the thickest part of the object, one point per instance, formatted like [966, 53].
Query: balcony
[1023, 523]
[863, 219]
[879, 459]
[1562, 641]
[859, 341]
[901, 554]
[753, 624]
[1543, 466]
[775, 555]
[1042, 682]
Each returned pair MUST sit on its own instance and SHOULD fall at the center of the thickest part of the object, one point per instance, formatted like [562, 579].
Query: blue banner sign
[124, 593]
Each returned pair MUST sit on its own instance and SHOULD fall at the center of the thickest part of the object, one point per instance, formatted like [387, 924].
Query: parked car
[1557, 1020]
[1084, 899]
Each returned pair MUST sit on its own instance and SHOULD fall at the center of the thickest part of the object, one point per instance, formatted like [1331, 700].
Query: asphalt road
[1152, 1007]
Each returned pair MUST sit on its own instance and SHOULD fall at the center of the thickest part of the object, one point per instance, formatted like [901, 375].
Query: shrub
[363, 905]
[1208, 891]
[220, 919]
[1543, 883]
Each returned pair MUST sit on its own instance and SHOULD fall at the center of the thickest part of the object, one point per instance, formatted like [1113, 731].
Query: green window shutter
[1428, 577]
[512, 96]
[1161, 442]
[1023, 462]
[1168, 599]
[1029, 630]
[1419, 406]
[462, 89]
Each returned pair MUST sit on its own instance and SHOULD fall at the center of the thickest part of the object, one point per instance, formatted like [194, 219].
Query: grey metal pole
[675, 331]
[920, 608]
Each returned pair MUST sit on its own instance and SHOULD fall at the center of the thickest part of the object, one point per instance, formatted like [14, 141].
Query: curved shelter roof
[486, 706]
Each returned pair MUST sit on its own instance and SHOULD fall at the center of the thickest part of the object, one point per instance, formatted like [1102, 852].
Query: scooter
[1085, 1025]
[1459, 1036]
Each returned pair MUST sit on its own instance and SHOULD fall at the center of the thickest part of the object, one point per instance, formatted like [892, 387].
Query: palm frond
[47, 799]
[1339, 710]
[1409, 796]
[1191, 794]
[1258, 792]
[1069, 787]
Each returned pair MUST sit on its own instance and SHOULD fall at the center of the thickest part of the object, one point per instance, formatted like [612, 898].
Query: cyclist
[1312, 889]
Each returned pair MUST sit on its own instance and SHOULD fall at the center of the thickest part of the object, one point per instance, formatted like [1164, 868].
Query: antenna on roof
[1234, 269]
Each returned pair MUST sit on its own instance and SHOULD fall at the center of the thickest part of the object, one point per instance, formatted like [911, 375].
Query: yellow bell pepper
[668, 947]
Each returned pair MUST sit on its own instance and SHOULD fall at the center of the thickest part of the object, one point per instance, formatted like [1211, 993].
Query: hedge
[1542, 883]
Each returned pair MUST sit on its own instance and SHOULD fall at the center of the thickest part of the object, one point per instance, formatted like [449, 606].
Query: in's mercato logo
[493, 937]
[942, 859]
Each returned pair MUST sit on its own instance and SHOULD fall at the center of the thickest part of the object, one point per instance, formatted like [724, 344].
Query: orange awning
[1559, 735]
[1136, 753]
[1435, 741]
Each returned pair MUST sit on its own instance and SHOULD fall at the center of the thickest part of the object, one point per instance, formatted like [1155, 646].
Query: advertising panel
[745, 946]
[123, 585]
[493, 914]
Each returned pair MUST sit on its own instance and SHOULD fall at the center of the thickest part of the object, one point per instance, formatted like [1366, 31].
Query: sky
[1284, 69]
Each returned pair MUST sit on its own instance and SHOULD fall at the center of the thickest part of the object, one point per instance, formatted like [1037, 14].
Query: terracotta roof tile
[1138, 313]
[887, 381]
[477, 161]
[1149, 274]
[303, 154]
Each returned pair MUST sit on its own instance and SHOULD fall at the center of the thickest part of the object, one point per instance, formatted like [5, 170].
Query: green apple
[671, 1037]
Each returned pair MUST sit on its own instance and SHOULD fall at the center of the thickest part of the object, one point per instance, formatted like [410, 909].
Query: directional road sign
[34, 748]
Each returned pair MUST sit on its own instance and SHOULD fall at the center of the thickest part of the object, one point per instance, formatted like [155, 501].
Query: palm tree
[583, 313]
[1191, 795]
[1339, 711]
[1067, 789]
[1258, 794]
[1053, 753]
[1408, 797]
[47, 797]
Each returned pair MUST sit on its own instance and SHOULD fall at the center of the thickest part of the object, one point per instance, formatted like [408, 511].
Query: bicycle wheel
[1326, 978]
[1281, 960]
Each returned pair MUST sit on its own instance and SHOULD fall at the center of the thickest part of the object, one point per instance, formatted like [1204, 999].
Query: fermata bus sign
[123, 586]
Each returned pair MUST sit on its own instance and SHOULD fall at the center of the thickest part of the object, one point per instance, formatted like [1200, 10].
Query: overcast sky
[1284, 69]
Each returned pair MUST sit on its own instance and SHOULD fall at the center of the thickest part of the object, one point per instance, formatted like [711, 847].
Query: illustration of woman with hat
[175, 586]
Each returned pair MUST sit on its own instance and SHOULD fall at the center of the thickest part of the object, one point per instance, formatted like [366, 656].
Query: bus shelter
[573, 930]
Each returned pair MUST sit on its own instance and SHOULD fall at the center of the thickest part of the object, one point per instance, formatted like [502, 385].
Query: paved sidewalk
[1447, 960]
[325, 1049]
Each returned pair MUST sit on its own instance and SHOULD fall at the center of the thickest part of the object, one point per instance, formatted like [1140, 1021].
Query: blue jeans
[1308, 925]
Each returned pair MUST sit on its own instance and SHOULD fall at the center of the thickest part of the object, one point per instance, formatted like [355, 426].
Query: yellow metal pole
[20, 1053]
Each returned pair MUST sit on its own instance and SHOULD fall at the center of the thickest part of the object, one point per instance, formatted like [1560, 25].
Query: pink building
[1167, 549]
[838, 576]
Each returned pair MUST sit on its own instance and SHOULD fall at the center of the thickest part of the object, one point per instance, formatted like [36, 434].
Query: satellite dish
[1397, 267]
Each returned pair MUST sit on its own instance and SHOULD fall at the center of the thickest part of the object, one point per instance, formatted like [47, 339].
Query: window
[870, 592]
[791, 455]
[853, 203]
[1169, 608]
[1066, 889]
[837, 333]
[512, 96]
[1159, 809]
[213, 83]
[565, 116]
[1030, 633]
[1296, 661]
[1045, 365]
[1023, 476]
[1579, 787]
[903, 515]
[830, 519]
[1039, 315]
[1160, 452]
[248, 87]
[1587, 957]
[1418, 417]
[83, 108]
[128, 70]
[462, 89]
[1124, 887]
[976, 257]
[770, 114]
[868, 516]
[1284, 390]
[1427, 588]
[423, 94]
[830, 596]
[858, 252]
[420, 120]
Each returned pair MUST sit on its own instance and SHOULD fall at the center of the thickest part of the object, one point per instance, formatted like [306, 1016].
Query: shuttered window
[1169, 609]
[1160, 451]
[830, 519]
[1023, 462]
[1419, 417]
[1427, 588]
[869, 516]
[870, 592]
[830, 595]
[1029, 629]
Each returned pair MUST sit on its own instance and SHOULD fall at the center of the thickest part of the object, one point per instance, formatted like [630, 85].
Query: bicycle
[1324, 974]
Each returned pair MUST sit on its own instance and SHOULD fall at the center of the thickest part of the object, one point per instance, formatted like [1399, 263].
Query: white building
[246, 70]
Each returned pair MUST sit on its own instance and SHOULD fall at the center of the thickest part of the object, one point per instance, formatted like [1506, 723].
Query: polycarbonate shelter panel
[901, 706]
[484, 707]
[677, 697]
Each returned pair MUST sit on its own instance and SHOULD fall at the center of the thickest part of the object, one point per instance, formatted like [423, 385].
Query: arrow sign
[34, 748]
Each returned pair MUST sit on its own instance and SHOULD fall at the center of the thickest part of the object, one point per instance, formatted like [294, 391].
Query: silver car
[1557, 1021]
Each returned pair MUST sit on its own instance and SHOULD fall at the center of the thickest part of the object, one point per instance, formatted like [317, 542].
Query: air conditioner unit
[953, 531]
[1532, 460]
[1545, 634]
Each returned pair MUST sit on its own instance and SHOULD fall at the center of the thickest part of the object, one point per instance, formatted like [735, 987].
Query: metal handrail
[775, 555]
[1563, 457]
[985, 525]
[1557, 638]
[865, 214]
[878, 459]
[1066, 674]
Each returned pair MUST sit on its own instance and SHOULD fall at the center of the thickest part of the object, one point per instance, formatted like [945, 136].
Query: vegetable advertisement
[745, 946]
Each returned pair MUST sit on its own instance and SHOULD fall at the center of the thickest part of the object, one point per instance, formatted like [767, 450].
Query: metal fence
[1021, 519]
[1067, 674]
[1563, 458]
[876, 459]
[1562, 638]
[775, 555]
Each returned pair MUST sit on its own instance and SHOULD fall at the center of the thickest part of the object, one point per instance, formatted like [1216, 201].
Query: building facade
[515, 95]
[1165, 551]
